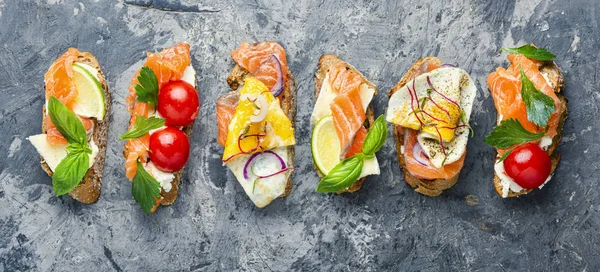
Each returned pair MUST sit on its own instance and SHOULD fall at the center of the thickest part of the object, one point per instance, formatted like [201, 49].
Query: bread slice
[554, 75]
[235, 80]
[423, 186]
[88, 191]
[168, 198]
[325, 63]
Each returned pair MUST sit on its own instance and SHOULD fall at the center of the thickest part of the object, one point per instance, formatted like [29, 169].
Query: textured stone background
[213, 226]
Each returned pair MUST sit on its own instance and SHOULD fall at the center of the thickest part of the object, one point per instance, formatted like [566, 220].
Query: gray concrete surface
[384, 226]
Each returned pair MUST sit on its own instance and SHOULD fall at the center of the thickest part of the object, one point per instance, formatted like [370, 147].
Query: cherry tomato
[178, 103]
[528, 165]
[169, 149]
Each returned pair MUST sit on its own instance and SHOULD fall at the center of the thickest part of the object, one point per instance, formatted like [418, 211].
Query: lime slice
[90, 98]
[325, 145]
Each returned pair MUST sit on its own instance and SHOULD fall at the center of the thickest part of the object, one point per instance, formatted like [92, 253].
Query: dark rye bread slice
[555, 76]
[235, 80]
[423, 186]
[88, 191]
[326, 62]
[168, 198]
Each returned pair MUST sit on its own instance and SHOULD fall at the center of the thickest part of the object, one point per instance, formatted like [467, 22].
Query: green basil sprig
[142, 126]
[71, 170]
[531, 52]
[345, 173]
[145, 189]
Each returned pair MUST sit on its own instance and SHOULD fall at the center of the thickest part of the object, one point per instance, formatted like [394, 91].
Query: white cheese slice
[163, 178]
[53, 154]
[266, 189]
[189, 75]
[370, 167]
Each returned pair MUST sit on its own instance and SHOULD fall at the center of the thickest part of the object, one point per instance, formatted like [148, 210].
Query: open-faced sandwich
[74, 128]
[430, 108]
[531, 114]
[346, 135]
[256, 121]
[163, 103]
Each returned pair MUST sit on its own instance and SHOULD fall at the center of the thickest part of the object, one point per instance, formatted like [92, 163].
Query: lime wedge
[325, 145]
[90, 98]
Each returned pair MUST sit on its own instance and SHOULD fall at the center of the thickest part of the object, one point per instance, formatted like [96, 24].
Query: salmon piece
[168, 65]
[358, 142]
[226, 105]
[348, 117]
[427, 172]
[252, 56]
[505, 87]
[343, 80]
[54, 137]
[59, 77]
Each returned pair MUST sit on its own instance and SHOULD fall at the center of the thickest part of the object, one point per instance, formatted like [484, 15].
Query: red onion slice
[417, 152]
[277, 89]
[256, 155]
[447, 65]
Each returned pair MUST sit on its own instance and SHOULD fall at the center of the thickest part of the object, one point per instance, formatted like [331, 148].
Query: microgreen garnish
[539, 105]
[147, 89]
[531, 52]
[71, 170]
[142, 126]
[345, 173]
[510, 132]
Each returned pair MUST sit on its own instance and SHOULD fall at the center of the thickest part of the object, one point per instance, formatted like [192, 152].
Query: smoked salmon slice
[168, 65]
[428, 172]
[252, 57]
[505, 87]
[358, 142]
[226, 106]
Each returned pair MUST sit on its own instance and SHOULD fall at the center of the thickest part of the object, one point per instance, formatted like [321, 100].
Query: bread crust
[325, 63]
[555, 76]
[88, 191]
[235, 80]
[426, 187]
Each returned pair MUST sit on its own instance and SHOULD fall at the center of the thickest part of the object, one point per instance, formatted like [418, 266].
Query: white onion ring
[259, 114]
[417, 151]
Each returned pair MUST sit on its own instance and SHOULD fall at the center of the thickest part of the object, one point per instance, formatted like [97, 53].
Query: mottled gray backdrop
[213, 225]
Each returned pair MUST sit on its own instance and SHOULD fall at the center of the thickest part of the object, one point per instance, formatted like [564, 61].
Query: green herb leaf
[66, 122]
[142, 126]
[69, 172]
[79, 148]
[376, 136]
[342, 175]
[147, 89]
[503, 157]
[531, 52]
[510, 132]
[145, 189]
[539, 105]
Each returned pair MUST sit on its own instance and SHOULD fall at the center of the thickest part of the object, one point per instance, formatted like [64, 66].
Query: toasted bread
[554, 75]
[325, 63]
[423, 186]
[235, 80]
[88, 191]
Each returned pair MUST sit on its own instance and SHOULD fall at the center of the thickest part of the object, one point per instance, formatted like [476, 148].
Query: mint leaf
[539, 105]
[66, 122]
[145, 189]
[510, 132]
[69, 172]
[142, 126]
[375, 137]
[147, 89]
[531, 52]
[342, 175]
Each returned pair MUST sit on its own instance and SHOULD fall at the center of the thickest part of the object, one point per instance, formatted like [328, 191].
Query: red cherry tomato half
[169, 149]
[178, 103]
[528, 165]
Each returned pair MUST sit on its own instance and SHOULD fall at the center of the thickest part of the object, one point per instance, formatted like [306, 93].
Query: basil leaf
[510, 132]
[79, 148]
[66, 122]
[376, 136]
[145, 189]
[531, 52]
[539, 105]
[142, 126]
[342, 175]
[147, 89]
[69, 172]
